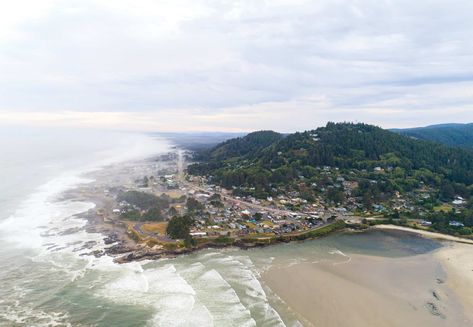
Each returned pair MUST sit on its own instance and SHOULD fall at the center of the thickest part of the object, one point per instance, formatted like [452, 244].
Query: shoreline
[125, 248]
[328, 284]
[457, 260]
[419, 290]
[312, 290]
[128, 250]
[137, 252]
[427, 234]
[146, 252]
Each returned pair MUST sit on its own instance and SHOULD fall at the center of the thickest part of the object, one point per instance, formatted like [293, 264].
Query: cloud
[235, 65]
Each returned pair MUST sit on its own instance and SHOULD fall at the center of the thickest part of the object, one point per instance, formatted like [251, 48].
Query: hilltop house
[455, 223]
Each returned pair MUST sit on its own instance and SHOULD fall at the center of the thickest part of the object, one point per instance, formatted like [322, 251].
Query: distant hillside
[263, 161]
[198, 140]
[241, 147]
[458, 135]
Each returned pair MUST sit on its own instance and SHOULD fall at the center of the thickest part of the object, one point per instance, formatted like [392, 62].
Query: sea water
[48, 278]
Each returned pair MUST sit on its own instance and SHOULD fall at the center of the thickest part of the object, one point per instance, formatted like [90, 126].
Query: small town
[147, 207]
[215, 163]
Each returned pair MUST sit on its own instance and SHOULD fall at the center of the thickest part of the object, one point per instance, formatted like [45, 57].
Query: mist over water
[32, 157]
[48, 279]
[39, 262]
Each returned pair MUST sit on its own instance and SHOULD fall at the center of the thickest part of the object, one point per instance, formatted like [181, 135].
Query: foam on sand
[338, 252]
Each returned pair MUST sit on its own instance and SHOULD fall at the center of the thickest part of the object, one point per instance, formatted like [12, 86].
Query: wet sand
[457, 260]
[426, 234]
[371, 291]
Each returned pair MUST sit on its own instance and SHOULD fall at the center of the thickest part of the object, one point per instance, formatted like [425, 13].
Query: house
[246, 212]
[458, 200]
[378, 207]
[202, 195]
[198, 234]
[171, 185]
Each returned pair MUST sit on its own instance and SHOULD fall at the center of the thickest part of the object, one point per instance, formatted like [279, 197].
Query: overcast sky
[235, 65]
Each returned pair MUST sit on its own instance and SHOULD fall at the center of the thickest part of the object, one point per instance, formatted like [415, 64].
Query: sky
[241, 65]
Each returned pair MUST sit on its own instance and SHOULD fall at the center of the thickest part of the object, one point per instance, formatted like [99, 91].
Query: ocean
[49, 277]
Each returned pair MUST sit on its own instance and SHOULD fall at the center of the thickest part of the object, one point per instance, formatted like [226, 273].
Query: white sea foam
[221, 290]
[296, 261]
[17, 313]
[338, 252]
[40, 217]
[48, 231]
[245, 273]
[47, 225]
[162, 289]
[23, 316]
[218, 296]
[235, 279]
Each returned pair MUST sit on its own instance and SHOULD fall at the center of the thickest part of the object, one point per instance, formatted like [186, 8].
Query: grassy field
[157, 228]
[445, 207]
[146, 229]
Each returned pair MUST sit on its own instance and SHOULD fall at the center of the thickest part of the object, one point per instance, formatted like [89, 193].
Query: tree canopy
[179, 227]
[357, 148]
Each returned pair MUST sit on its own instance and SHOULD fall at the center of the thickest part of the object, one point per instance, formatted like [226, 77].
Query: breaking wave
[58, 272]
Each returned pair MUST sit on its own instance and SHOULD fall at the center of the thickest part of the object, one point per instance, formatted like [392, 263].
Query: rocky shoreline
[124, 249]
[120, 245]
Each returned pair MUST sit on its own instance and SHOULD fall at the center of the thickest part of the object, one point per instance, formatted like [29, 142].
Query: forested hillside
[457, 135]
[269, 161]
[241, 147]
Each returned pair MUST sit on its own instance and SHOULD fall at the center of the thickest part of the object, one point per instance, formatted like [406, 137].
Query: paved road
[180, 165]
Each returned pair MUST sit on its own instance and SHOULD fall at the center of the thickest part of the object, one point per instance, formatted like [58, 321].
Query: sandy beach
[422, 290]
[457, 260]
[427, 234]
